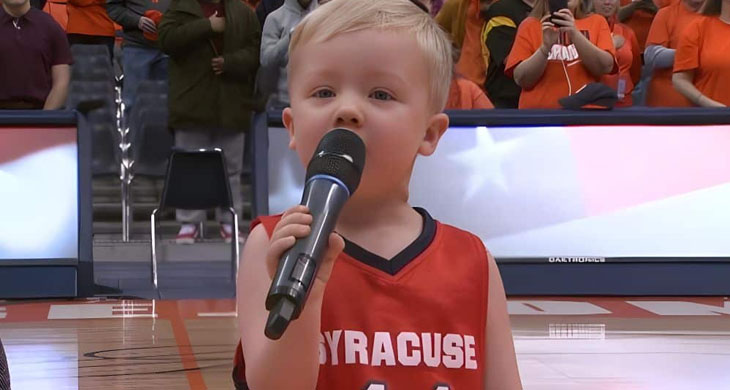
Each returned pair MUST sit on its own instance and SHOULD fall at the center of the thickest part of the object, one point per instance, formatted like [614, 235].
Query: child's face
[374, 83]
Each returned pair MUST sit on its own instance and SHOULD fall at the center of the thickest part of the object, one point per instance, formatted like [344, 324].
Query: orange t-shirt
[640, 21]
[628, 57]
[704, 48]
[57, 9]
[465, 95]
[89, 17]
[553, 84]
[471, 63]
[668, 26]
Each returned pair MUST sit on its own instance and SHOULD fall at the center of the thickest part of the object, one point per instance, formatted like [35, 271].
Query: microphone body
[333, 174]
[297, 270]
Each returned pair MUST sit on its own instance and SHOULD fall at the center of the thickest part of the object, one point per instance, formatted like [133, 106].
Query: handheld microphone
[333, 174]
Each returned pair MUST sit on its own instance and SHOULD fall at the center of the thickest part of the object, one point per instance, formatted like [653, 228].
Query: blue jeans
[139, 64]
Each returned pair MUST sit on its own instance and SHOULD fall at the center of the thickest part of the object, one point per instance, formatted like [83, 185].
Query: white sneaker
[188, 234]
[227, 233]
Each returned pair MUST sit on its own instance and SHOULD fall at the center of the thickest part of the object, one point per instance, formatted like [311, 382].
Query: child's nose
[348, 115]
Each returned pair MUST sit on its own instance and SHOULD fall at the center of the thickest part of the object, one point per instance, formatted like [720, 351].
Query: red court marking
[169, 310]
[619, 308]
[27, 312]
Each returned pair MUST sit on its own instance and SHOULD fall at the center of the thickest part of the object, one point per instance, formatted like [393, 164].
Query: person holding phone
[628, 53]
[558, 50]
[702, 63]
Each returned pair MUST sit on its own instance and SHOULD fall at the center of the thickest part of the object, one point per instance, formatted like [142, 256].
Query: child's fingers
[292, 226]
[294, 230]
[335, 246]
[301, 218]
[278, 247]
[296, 209]
[293, 223]
[276, 250]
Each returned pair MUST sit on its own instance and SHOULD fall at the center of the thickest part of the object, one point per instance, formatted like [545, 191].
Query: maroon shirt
[209, 9]
[27, 53]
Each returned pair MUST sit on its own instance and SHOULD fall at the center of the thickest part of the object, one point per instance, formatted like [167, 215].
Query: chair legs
[235, 246]
[153, 237]
[201, 229]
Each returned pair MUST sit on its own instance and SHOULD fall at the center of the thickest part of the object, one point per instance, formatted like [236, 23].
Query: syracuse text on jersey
[405, 348]
[565, 50]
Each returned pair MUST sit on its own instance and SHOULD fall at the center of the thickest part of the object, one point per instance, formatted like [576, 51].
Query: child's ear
[288, 119]
[437, 126]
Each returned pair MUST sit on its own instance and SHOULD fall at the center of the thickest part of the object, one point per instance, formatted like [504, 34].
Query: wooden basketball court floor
[562, 343]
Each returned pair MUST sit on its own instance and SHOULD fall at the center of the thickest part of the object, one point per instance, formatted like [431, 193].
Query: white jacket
[275, 50]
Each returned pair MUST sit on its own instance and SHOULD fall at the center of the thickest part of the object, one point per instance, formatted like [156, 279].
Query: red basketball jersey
[414, 322]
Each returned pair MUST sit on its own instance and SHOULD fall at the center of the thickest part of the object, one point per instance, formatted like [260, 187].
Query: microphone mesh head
[341, 154]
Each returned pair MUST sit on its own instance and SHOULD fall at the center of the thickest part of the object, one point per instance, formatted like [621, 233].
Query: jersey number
[382, 386]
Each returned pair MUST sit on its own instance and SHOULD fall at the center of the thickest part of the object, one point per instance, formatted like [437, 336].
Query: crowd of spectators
[528, 56]
[514, 51]
[224, 59]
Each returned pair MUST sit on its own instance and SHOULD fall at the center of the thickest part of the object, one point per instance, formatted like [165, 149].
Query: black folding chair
[196, 180]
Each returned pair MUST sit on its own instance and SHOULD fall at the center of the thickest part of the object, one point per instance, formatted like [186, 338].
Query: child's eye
[324, 94]
[381, 95]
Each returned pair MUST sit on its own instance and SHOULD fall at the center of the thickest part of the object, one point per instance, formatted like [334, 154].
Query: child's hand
[294, 224]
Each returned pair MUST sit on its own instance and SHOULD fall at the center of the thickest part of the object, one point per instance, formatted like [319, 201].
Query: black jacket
[198, 97]
[503, 19]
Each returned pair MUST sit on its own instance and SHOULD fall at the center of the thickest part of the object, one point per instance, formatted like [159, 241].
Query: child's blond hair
[342, 16]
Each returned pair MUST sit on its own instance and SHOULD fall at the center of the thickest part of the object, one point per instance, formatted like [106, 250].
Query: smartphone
[555, 6]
